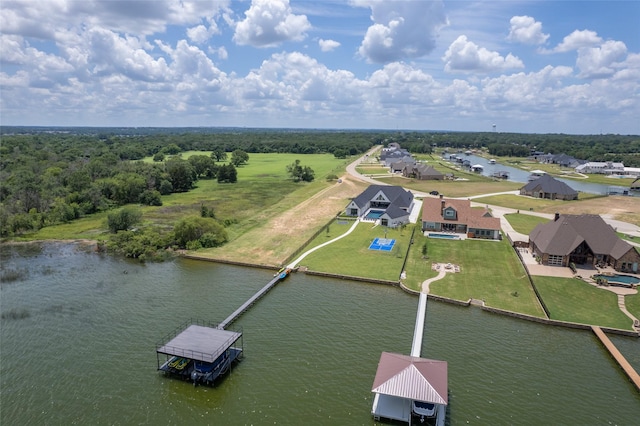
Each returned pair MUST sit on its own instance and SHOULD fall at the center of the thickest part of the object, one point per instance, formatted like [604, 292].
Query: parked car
[434, 193]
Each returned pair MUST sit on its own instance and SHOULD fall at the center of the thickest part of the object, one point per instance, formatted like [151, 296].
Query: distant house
[422, 172]
[547, 187]
[582, 239]
[449, 215]
[599, 167]
[389, 204]
[563, 160]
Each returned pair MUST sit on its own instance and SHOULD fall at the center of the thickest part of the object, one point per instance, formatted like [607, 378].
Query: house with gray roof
[582, 240]
[547, 187]
[389, 204]
[422, 172]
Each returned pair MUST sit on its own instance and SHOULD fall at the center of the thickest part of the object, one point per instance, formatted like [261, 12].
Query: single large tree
[299, 173]
[239, 157]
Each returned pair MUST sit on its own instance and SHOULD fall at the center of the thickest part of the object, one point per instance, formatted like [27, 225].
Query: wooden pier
[615, 353]
[253, 299]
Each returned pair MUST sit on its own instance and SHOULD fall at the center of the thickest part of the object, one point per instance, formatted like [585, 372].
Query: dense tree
[219, 154]
[227, 173]
[239, 157]
[181, 174]
[195, 228]
[204, 166]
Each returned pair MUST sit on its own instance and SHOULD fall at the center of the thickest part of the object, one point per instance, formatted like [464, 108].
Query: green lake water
[85, 354]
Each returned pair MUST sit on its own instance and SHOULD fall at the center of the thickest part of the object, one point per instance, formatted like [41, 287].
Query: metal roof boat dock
[409, 388]
[199, 352]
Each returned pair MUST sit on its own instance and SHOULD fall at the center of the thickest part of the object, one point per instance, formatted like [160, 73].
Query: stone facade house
[582, 240]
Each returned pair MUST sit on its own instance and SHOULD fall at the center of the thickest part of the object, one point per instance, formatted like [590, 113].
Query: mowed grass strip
[573, 300]
[524, 223]
[632, 303]
[489, 271]
[351, 255]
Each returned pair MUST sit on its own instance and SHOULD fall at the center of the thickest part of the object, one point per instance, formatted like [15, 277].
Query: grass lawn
[524, 223]
[452, 188]
[573, 300]
[632, 302]
[533, 204]
[351, 255]
[489, 270]
[372, 170]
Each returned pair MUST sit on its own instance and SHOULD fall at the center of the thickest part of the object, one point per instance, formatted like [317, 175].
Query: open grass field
[573, 300]
[524, 223]
[263, 191]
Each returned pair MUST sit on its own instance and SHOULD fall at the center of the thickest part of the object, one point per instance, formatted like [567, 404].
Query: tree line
[56, 175]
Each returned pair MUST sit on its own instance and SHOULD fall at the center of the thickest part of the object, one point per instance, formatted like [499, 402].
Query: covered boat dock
[410, 389]
[199, 352]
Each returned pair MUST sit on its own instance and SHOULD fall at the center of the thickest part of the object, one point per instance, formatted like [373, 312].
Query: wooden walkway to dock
[615, 353]
[246, 305]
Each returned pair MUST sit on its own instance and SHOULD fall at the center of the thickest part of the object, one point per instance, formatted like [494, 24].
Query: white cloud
[198, 34]
[600, 62]
[578, 39]
[42, 19]
[401, 29]
[525, 29]
[268, 23]
[328, 45]
[464, 55]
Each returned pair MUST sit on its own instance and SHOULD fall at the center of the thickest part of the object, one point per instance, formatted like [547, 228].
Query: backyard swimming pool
[619, 279]
[374, 214]
[443, 236]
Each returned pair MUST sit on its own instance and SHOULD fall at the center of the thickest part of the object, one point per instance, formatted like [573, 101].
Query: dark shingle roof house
[395, 202]
[547, 187]
[582, 239]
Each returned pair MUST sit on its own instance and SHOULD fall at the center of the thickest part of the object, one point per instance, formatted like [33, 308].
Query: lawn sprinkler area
[382, 244]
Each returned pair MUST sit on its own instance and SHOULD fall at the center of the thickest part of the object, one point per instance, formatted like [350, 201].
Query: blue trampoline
[382, 244]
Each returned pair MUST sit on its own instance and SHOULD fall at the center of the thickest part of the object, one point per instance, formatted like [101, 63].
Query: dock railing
[191, 354]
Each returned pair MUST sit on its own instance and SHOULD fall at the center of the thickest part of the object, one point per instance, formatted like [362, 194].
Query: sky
[506, 66]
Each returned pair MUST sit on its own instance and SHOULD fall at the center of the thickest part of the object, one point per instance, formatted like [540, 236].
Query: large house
[389, 204]
[422, 172]
[582, 239]
[449, 215]
[547, 187]
[602, 167]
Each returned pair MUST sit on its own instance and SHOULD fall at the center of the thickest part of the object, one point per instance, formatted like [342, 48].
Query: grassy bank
[573, 300]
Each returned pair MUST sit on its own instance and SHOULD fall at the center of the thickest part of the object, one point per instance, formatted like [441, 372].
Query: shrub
[123, 219]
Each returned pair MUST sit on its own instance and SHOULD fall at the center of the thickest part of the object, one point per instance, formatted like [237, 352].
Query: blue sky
[525, 66]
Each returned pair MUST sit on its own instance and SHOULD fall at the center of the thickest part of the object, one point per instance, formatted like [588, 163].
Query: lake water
[519, 175]
[85, 354]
